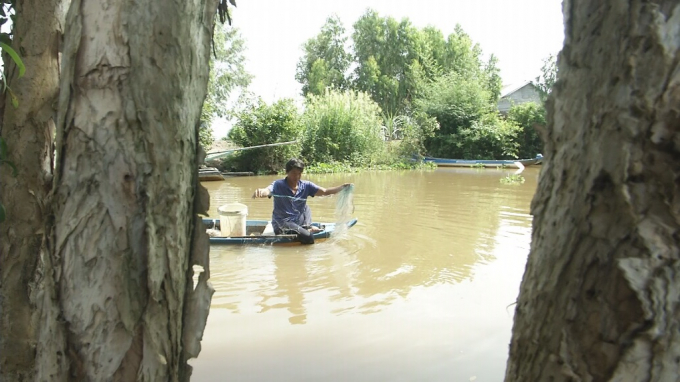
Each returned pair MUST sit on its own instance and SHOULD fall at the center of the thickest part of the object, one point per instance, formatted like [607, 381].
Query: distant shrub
[529, 116]
[489, 138]
[258, 124]
[342, 127]
[457, 102]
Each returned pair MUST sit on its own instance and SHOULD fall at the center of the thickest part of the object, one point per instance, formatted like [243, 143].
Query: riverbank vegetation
[387, 81]
[227, 75]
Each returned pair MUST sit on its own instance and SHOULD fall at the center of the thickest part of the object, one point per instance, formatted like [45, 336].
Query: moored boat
[255, 233]
[209, 174]
[518, 163]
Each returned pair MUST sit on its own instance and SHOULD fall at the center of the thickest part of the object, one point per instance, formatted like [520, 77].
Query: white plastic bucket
[233, 219]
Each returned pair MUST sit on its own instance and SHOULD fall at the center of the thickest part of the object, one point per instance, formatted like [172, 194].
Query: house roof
[509, 89]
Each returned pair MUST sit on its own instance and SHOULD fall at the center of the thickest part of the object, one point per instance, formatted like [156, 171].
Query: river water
[421, 289]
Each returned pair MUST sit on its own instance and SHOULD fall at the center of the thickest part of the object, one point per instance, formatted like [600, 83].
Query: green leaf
[2, 213]
[15, 57]
[233, 2]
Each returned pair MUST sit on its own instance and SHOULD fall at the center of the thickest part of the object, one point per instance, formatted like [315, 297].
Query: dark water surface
[419, 290]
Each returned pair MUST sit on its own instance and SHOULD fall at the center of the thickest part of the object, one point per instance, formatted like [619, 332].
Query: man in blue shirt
[291, 212]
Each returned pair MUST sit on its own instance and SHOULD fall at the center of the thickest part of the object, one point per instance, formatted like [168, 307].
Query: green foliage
[330, 168]
[546, 80]
[344, 167]
[456, 102]
[15, 57]
[489, 138]
[461, 55]
[427, 87]
[492, 75]
[342, 127]
[384, 50]
[513, 179]
[227, 74]
[16, 60]
[325, 62]
[319, 78]
[205, 136]
[393, 126]
[259, 124]
[529, 117]
[412, 131]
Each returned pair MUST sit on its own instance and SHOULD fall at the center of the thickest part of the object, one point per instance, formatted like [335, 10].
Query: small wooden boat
[208, 174]
[238, 173]
[519, 163]
[255, 233]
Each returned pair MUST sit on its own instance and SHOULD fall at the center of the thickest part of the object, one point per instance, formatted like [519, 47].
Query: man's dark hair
[295, 163]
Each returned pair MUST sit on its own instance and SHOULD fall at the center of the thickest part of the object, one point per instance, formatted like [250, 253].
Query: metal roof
[505, 92]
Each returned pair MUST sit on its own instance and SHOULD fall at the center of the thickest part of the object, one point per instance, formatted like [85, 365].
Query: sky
[521, 33]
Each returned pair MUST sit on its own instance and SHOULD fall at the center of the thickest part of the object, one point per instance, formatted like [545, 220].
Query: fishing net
[344, 208]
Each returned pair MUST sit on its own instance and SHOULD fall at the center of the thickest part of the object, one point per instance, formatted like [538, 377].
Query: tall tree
[599, 299]
[546, 80]
[462, 55]
[325, 61]
[384, 49]
[28, 131]
[114, 292]
[492, 76]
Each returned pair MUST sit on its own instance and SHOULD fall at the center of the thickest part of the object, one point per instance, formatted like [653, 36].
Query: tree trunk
[28, 130]
[119, 303]
[599, 299]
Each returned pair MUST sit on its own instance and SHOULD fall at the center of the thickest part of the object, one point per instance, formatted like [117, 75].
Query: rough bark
[599, 299]
[133, 81]
[28, 130]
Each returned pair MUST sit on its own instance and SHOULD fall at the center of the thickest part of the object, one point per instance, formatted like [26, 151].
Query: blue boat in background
[256, 233]
[517, 163]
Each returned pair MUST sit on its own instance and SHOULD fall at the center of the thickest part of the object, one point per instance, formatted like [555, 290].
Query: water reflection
[291, 277]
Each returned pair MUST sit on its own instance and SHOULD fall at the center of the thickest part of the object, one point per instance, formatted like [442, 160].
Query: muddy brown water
[421, 289]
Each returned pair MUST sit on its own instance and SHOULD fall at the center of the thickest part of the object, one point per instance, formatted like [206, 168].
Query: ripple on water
[429, 270]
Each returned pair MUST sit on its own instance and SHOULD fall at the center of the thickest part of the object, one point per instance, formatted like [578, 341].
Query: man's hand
[331, 191]
[260, 193]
